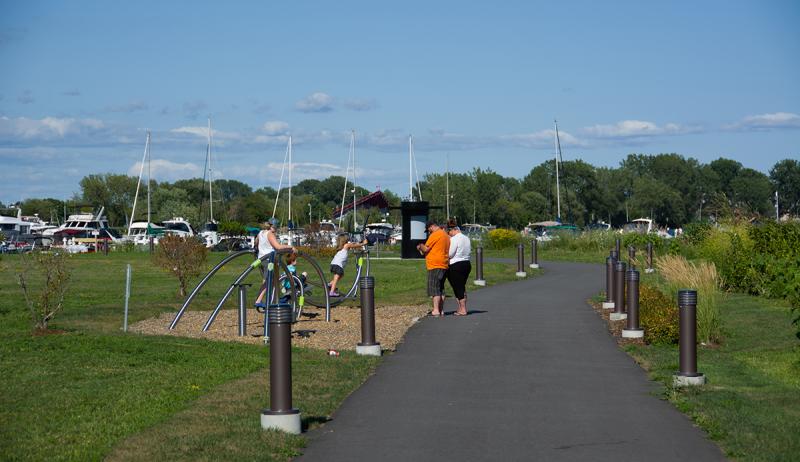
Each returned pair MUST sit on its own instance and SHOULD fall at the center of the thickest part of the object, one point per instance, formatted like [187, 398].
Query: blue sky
[81, 81]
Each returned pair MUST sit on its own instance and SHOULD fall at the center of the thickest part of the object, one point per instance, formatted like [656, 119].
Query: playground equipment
[274, 272]
[271, 261]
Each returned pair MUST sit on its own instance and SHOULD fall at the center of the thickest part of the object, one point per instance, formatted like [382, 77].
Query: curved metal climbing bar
[202, 282]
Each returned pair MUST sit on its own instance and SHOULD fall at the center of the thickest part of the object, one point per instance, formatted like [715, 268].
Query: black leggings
[457, 275]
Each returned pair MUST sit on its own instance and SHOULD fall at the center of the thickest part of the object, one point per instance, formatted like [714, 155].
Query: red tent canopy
[376, 199]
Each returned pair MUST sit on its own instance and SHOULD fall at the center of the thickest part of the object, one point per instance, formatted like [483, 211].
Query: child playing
[340, 260]
[291, 259]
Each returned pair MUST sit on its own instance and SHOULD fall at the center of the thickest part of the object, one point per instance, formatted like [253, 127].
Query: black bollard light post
[280, 415]
[688, 375]
[619, 292]
[151, 244]
[368, 345]
[609, 303]
[632, 330]
[521, 261]
[243, 309]
[618, 246]
[534, 254]
[649, 258]
[479, 281]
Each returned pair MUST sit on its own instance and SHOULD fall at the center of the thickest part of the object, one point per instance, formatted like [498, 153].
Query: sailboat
[209, 233]
[291, 235]
[140, 231]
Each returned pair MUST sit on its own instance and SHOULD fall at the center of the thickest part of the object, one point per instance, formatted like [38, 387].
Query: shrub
[695, 233]
[184, 258]
[658, 316]
[44, 279]
[702, 276]
[502, 238]
[232, 228]
[776, 239]
[320, 252]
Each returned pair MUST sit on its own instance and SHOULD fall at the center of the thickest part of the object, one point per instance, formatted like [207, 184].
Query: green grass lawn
[751, 404]
[93, 392]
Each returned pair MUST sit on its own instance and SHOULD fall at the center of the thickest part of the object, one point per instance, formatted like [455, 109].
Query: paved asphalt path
[530, 374]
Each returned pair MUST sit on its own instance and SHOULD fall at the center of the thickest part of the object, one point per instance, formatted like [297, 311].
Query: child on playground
[291, 259]
[340, 261]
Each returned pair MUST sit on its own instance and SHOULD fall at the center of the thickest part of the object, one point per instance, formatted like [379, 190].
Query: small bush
[44, 280]
[503, 238]
[184, 258]
[682, 274]
[695, 233]
[320, 252]
[776, 239]
[658, 316]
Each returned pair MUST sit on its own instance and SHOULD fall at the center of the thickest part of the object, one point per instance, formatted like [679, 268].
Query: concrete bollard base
[688, 380]
[521, 274]
[618, 316]
[479, 282]
[533, 266]
[608, 305]
[632, 333]
[649, 270]
[368, 350]
[286, 422]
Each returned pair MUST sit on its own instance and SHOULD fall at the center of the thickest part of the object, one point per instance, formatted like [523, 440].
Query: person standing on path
[437, 256]
[459, 265]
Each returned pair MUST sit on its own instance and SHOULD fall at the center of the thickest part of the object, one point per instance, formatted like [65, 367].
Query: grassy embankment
[751, 403]
[91, 391]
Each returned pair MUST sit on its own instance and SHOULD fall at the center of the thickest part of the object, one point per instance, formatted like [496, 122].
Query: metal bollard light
[619, 292]
[609, 303]
[649, 258]
[632, 330]
[368, 345]
[243, 309]
[688, 375]
[479, 281]
[534, 254]
[521, 261]
[631, 256]
[280, 415]
[614, 254]
[618, 246]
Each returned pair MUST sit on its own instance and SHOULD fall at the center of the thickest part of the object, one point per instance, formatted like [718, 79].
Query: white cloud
[360, 104]
[315, 102]
[46, 128]
[636, 129]
[133, 106]
[202, 132]
[542, 139]
[163, 169]
[275, 127]
[775, 120]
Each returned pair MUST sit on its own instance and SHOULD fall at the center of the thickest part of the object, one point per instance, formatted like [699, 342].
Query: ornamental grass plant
[702, 276]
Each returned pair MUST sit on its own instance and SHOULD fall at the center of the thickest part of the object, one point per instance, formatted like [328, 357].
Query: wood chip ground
[311, 330]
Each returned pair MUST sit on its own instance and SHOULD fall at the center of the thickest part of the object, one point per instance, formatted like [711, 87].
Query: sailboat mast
[447, 185]
[353, 148]
[138, 184]
[147, 150]
[290, 181]
[558, 185]
[410, 170]
[210, 175]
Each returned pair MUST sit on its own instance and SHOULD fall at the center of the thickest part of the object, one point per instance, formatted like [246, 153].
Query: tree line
[670, 188]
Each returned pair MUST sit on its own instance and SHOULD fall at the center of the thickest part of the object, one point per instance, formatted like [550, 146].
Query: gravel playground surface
[311, 330]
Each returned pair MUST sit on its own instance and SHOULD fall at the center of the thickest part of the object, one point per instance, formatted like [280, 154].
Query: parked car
[232, 244]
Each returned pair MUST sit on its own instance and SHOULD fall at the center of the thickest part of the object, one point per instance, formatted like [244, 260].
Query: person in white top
[266, 243]
[460, 266]
[340, 261]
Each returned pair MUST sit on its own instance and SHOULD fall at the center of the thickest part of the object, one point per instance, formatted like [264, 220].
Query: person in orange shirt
[437, 256]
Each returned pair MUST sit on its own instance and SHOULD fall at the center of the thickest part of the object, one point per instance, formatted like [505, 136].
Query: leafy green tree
[112, 191]
[751, 191]
[785, 178]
